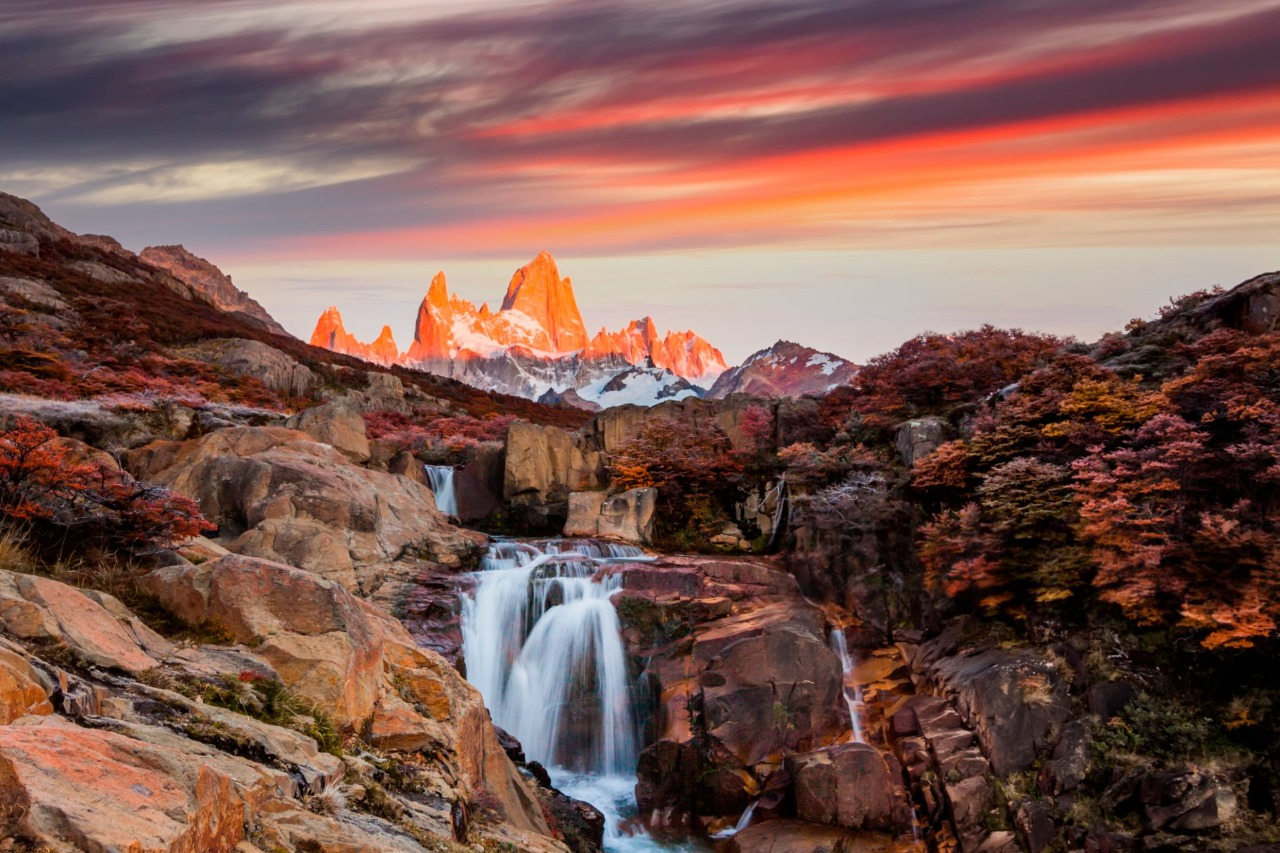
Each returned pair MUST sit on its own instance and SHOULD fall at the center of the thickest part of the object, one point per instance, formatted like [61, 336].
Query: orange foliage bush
[42, 484]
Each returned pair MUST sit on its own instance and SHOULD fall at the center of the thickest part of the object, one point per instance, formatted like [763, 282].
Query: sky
[842, 173]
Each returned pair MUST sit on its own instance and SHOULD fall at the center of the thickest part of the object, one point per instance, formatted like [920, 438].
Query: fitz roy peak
[536, 343]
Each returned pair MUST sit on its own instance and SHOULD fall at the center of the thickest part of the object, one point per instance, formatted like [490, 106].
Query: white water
[852, 694]
[743, 822]
[441, 479]
[541, 642]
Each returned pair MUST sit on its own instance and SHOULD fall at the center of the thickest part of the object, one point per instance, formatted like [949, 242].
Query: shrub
[43, 485]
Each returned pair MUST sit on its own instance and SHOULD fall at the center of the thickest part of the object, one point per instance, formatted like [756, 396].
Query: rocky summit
[533, 345]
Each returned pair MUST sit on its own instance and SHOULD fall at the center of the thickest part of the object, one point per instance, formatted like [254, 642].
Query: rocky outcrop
[742, 677]
[627, 517]
[268, 365]
[785, 370]
[1015, 702]
[38, 608]
[209, 284]
[544, 464]
[918, 438]
[352, 659]
[317, 636]
[277, 494]
[18, 242]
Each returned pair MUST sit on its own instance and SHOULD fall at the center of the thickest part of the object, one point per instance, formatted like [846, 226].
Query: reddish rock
[847, 785]
[96, 790]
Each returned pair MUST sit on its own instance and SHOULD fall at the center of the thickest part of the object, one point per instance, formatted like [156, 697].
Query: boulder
[276, 494]
[338, 425]
[1070, 762]
[544, 464]
[323, 642]
[1187, 800]
[847, 785]
[1036, 825]
[268, 365]
[627, 516]
[34, 607]
[98, 791]
[918, 438]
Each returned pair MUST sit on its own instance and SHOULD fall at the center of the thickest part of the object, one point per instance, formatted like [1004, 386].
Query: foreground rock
[346, 656]
[847, 785]
[280, 495]
[742, 678]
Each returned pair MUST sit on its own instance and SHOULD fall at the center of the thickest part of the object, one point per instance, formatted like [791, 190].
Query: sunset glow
[356, 148]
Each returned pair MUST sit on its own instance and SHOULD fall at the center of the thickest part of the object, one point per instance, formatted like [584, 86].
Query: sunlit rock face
[534, 344]
[332, 335]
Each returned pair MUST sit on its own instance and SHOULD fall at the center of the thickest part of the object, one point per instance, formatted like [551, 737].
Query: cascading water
[541, 642]
[852, 692]
[441, 479]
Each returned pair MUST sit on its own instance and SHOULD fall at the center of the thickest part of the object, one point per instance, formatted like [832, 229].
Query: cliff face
[208, 283]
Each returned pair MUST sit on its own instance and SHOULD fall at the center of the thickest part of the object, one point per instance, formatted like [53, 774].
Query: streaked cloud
[488, 129]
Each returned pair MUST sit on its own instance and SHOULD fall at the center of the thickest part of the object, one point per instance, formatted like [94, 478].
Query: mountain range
[536, 345]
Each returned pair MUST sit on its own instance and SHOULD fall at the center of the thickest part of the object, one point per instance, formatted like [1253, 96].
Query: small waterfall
[743, 822]
[441, 479]
[852, 692]
[542, 643]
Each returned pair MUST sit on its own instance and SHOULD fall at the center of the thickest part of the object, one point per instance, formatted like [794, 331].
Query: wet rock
[847, 785]
[338, 425]
[791, 836]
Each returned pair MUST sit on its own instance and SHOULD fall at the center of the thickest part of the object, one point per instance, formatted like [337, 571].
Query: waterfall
[542, 643]
[852, 692]
[743, 822]
[441, 479]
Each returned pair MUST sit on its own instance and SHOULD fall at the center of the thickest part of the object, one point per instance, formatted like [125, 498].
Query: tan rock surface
[277, 494]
